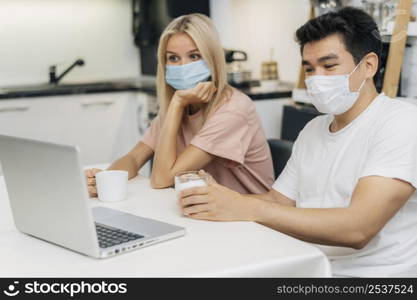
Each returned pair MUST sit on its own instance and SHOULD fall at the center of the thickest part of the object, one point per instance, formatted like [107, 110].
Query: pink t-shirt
[235, 137]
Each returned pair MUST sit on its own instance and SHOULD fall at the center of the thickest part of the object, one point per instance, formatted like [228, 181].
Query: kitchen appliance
[269, 70]
[237, 73]
[269, 73]
[150, 17]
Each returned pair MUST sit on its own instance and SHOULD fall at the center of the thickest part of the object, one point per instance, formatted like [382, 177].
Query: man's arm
[273, 196]
[374, 202]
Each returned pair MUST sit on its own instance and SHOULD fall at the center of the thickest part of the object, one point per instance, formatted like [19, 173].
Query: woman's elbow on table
[160, 182]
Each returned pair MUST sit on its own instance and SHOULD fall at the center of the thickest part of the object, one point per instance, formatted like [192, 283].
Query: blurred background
[83, 71]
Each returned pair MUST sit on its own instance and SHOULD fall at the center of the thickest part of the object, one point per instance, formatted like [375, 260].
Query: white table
[209, 249]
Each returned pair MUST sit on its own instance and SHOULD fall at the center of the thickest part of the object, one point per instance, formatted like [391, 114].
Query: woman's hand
[90, 175]
[201, 93]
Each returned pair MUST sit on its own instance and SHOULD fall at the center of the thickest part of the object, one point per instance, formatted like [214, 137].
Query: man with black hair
[349, 186]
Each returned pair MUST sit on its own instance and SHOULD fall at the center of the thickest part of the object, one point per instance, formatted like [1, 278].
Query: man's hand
[217, 203]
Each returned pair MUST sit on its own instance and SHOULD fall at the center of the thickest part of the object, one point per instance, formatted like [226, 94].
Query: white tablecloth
[209, 249]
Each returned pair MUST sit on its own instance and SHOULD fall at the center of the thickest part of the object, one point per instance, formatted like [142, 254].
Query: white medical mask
[331, 94]
[187, 76]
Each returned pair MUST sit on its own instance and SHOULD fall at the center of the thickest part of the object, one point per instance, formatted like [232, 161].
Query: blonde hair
[202, 31]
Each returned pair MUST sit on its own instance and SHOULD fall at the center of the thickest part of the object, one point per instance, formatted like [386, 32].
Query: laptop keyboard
[110, 236]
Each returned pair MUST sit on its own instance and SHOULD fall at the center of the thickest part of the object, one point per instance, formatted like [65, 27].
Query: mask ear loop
[363, 82]
[356, 67]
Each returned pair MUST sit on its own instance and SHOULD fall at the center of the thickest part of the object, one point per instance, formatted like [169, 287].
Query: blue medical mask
[187, 76]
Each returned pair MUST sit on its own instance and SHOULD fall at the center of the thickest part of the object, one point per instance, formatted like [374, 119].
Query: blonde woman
[203, 123]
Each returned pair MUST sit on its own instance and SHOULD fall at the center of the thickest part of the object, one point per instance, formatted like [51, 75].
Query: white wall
[35, 34]
[256, 26]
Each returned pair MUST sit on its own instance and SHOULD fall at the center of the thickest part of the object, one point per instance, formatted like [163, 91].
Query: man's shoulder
[313, 130]
[316, 124]
[396, 112]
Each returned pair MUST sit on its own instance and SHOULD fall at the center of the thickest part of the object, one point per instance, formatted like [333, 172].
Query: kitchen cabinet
[270, 112]
[104, 126]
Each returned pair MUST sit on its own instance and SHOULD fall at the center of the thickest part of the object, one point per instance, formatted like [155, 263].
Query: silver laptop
[49, 200]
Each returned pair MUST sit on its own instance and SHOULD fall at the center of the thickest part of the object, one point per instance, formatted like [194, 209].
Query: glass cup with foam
[189, 179]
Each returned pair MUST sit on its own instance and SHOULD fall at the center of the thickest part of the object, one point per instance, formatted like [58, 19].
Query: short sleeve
[226, 135]
[287, 181]
[151, 135]
[393, 149]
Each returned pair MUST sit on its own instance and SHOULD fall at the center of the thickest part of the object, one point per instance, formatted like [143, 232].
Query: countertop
[209, 249]
[44, 90]
[284, 90]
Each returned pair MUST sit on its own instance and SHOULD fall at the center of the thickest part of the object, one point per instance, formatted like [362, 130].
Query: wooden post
[396, 49]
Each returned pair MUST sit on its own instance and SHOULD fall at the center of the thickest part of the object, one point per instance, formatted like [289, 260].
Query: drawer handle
[12, 109]
[103, 103]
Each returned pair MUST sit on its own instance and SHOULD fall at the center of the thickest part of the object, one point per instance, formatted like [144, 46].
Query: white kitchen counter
[209, 249]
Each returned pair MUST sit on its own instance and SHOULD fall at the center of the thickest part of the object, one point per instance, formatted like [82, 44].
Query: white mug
[111, 185]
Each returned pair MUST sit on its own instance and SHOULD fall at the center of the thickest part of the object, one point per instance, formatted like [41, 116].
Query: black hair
[357, 29]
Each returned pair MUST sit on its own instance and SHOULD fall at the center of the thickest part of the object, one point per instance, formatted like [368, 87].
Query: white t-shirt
[325, 167]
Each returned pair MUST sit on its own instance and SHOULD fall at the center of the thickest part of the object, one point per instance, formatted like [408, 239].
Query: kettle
[237, 75]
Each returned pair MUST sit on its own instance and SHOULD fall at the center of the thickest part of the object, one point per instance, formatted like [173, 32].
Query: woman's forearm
[134, 160]
[126, 163]
[166, 149]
